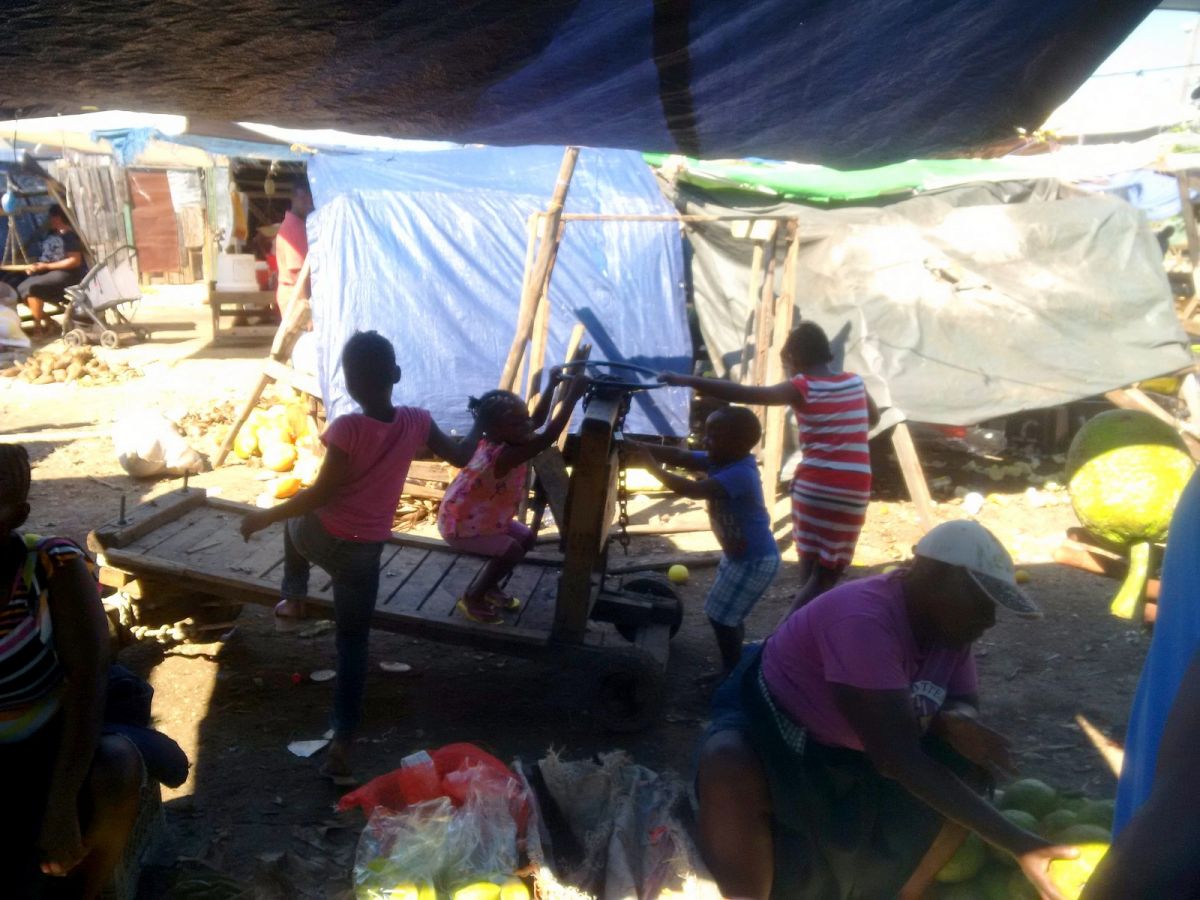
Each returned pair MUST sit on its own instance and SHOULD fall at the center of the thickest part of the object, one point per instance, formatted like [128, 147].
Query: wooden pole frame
[539, 275]
[295, 320]
[775, 420]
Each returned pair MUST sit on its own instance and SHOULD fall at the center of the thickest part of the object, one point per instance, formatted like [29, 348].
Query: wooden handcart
[572, 612]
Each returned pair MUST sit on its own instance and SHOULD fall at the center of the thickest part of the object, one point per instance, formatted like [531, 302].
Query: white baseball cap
[966, 543]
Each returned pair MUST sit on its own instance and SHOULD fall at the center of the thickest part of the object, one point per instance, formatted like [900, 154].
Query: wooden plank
[265, 554]
[206, 525]
[224, 551]
[521, 584]
[398, 565]
[914, 476]
[538, 611]
[439, 603]
[148, 542]
[588, 516]
[420, 584]
[432, 470]
[143, 519]
[550, 469]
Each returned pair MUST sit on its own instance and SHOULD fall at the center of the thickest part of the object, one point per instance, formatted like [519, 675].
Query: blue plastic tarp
[429, 250]
[1155, 194]
[846, 85]
[1172, 650]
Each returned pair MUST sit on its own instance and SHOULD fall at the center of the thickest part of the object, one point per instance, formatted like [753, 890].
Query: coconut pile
[75, 365]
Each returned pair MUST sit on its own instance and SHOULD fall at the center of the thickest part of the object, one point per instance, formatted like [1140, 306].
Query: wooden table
[236, 304]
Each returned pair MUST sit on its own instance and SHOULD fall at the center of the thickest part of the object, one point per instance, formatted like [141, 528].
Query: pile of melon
[982, 872]
[284, 438]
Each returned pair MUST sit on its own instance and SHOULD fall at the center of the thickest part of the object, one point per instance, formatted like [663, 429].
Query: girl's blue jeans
[354, 568]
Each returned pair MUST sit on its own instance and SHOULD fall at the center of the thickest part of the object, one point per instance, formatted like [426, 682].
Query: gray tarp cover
[959, 307]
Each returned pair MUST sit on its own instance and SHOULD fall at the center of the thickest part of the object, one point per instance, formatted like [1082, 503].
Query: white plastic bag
[12, 336]
[148, 444]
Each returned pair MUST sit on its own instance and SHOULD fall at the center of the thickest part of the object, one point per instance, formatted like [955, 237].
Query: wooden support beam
[914, 476]
[295, 321]
[775, 420]
[576, 349]
[1189, 217]
[542, 266]
[764, 324]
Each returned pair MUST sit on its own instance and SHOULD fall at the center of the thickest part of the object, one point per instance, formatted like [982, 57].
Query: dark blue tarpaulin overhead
[846, 84]
[428, 248]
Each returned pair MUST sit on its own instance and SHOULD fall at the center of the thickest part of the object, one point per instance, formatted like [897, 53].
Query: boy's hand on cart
[575, 386]
[254, 522]
[675, 379]
[635, 454]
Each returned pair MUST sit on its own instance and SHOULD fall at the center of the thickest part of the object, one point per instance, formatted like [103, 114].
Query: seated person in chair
[59, 267]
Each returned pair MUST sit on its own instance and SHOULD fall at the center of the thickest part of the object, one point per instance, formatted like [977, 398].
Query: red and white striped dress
[832, 484]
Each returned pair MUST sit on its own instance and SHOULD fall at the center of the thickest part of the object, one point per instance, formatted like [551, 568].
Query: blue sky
[1145, 83]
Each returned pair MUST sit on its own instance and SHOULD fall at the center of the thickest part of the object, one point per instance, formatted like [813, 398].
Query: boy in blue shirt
[738, 514]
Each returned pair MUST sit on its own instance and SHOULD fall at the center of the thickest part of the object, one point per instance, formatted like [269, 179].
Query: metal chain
[622, 507]
[622, 489]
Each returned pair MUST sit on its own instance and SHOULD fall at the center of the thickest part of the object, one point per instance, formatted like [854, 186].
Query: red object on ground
[454, 763]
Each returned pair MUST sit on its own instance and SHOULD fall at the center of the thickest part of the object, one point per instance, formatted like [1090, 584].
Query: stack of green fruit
[980, 872]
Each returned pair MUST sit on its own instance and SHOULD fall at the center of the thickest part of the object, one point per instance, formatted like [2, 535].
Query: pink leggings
[516, 537]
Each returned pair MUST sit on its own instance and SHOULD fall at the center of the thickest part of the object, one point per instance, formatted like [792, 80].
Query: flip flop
[484, 616]
[288, 621]
[339, 779]
[501, 600]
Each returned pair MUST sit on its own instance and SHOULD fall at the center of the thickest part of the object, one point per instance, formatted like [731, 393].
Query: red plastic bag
[458, 767]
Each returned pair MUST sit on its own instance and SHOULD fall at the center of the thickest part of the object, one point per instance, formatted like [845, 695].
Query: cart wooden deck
[193, 541]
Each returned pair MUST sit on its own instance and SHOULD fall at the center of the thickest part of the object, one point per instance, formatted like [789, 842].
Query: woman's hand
[1034, 865]
[981, 745]
[61, 844]
[34, 268]
[254, 522]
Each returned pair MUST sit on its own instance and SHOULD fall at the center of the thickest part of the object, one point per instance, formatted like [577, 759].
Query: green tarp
[818, 184]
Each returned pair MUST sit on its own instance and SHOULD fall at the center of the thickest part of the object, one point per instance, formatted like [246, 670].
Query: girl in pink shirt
[478, 512]
[343, 520]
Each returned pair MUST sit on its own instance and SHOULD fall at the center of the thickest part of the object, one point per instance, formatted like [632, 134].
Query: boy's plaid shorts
[737, 588]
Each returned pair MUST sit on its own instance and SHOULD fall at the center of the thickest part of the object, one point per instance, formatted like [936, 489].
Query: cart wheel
[629, 694]
[141, 334]
[75, 338]
[653, 586]
[110, 339]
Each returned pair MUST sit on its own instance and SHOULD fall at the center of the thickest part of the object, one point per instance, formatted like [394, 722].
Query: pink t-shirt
[477, 501]
[380, 454]
[291, 247]
[858, 635]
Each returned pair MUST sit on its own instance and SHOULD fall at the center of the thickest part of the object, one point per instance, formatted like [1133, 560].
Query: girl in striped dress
[832, 484]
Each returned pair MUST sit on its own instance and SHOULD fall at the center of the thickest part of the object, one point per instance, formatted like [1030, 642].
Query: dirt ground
[252, 810]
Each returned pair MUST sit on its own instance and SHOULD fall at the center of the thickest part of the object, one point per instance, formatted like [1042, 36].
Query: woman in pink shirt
[478, 512]
[343, 520]
[844, 759]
